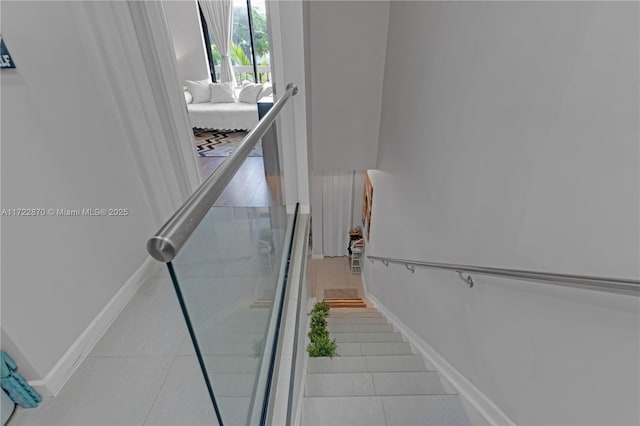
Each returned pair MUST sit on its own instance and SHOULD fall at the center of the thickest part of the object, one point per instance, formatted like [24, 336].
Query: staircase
[377, 380]
[345, 303]
[231, 349]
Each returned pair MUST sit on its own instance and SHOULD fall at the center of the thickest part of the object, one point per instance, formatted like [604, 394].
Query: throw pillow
[188, 97]
[249, 93]
[267, 90]
[221, 93]
[199, 90]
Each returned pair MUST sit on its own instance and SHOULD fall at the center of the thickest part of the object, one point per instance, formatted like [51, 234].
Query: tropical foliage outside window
[242, 57]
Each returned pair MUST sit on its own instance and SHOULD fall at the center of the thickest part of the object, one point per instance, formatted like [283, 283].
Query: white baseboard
[73, 357]
[317, 256]
[468, 392]
[365, 292]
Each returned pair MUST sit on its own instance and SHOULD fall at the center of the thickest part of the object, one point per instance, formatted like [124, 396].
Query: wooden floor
[249, 187]
[209, 164]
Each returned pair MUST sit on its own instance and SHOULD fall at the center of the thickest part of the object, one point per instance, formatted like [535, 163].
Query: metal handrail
[167, 242]
[614, 285]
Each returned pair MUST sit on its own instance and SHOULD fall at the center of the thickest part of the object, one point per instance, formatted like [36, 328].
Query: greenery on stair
[257, 347]
[321, 345]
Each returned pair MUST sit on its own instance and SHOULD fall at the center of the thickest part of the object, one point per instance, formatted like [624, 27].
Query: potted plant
[321, 344]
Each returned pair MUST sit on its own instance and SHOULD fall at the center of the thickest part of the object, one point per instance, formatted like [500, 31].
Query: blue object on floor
[15, 385]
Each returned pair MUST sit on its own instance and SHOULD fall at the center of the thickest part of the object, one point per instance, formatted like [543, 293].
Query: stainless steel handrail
[167, 242]
[615, 285]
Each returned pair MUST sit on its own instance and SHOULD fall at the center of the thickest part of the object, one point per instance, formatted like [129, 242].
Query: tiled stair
[377, 380]
[230, 348]
[345, 303]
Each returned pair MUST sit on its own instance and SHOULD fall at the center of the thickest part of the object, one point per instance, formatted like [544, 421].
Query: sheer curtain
[219, 17]
[337, 201]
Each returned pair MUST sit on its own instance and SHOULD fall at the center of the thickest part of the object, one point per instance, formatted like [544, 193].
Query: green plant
[238, 56]
[321, 344]
[322, 307]
[217, 58]
[241, 35]
[257, 347]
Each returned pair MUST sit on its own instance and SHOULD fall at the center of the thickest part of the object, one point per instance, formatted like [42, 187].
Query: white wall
[347, 52]
[345, 56]
[286, 38]
[358, 189]
[186, 34]
[64, 145]
[509, 138]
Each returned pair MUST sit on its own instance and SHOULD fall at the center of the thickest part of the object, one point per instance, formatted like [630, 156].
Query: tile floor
[143, 371]
[332, 272]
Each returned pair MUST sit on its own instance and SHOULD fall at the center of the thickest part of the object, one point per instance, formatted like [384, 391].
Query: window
[249, 43]
[211, 49]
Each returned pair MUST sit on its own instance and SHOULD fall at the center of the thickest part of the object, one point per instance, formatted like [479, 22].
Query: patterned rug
[216, 143]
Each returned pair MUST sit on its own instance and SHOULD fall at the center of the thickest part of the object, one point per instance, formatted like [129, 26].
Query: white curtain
[337, 201]
[219, 17]
[147, 99]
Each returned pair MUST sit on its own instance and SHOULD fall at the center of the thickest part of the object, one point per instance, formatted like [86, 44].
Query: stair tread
[360, 328]
[356, 320]
[368, 384]
[363, 313]
[442, 410]
[327, 299]
[376, 379]
[367, 337]
[374, 348]
[369, 363]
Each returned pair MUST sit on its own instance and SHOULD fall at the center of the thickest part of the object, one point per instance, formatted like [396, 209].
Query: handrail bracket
[468, 280]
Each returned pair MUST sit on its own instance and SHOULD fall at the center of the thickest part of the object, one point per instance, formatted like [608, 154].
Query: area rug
[218, 143]
[341, 293]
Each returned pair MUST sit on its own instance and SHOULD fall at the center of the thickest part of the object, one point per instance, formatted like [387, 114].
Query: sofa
[221, 106]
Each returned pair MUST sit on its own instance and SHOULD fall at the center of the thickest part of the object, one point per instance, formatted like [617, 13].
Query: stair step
[369, 384]
[360, 328]
[374, 348]
[262, 303]
[342, 299]
[408, 383]
[346, 303]
[372, 364]
[337, 411]
[231, 364]
[357, 320]
[442, 410]
[360, 313]
[221, 348]
[394, 363]
[233, 384]
[223, 336]
[367, 337]
[352, 310]
[376, 379]
[343, 384]
[243, 328]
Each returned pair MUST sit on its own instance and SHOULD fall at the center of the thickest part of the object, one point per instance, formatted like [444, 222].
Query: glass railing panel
[227, 264]
[227, 274]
